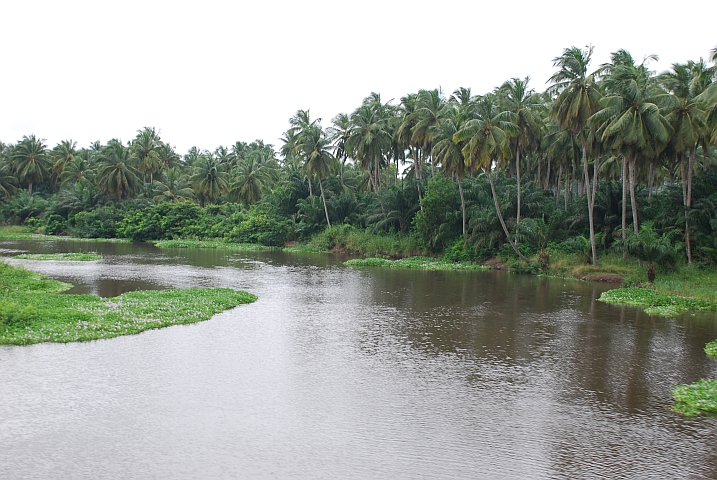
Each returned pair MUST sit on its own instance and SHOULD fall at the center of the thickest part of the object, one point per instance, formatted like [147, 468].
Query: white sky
[209, 73]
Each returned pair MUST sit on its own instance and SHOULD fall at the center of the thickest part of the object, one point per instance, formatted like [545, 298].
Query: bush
[263, 228]
[98, 223]
[55, 225]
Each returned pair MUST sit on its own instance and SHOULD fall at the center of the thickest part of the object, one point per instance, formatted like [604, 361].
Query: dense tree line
[586, 164]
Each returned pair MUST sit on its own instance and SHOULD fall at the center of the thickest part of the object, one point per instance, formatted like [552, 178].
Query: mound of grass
[423, 263]
[654, 302]
[695, 398]
[79, 257]
[217, 244]
[31, 310]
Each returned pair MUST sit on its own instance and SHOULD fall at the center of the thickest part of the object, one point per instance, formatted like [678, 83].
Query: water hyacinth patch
[424, 263]
[711, 348]
[63, 318]
[655, 303]
[695, 398]
[77, 256]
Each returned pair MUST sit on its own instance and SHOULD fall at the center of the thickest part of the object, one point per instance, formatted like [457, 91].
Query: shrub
[13, 315]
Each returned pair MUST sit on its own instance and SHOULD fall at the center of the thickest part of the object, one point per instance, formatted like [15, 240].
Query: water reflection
[356, 373]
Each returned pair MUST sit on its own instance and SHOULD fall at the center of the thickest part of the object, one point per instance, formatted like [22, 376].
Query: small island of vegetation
[71, 256]
[32, 310]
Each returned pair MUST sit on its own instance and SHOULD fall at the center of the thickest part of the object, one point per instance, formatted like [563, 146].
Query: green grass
[654, 302]
[217, 244]
[423, 263]
[695, 398]
[350, 239]
[77, 256]
[32, 310]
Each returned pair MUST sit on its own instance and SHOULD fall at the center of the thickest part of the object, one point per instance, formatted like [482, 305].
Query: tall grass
[352, 240]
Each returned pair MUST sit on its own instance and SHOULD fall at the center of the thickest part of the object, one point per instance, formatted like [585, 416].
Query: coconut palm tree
[688, 116]
[252, 176]
[339, 135]
[30, 161]
[62, 154]
[369, 139]
[146, 147]
[116, 174]
[449, 152]
[319, 161]
[173, 187]
[210, 180]
[577, 100]
[525, 105]
[486, 138]
[629, 120]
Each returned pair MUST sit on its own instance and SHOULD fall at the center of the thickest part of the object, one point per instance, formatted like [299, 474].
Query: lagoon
[354, 372]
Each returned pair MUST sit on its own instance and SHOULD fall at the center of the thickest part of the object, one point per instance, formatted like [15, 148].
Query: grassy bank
[32, 310]
[215, 244]
[423, 263]
[22, 233]
[76, 257]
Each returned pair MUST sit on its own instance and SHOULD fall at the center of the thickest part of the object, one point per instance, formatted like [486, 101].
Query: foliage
[352, 240]
[423, 263]
[214, 244]
[98, 223]
[654, 302]
[711, 348]
[695, 398]
[436, 224]
[262, 227]
[74, 256]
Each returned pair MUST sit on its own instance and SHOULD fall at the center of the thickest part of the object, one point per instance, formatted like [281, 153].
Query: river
[345, 372]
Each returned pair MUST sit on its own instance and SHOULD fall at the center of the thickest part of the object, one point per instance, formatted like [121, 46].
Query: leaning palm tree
[486, 139]
[30, 161]
[577, 100]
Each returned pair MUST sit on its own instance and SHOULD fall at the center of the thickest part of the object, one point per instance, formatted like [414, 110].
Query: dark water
[339, 372]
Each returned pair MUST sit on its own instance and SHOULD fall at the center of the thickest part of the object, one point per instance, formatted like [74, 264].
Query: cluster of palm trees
[652, 127]
[144, 167]
[619, 121]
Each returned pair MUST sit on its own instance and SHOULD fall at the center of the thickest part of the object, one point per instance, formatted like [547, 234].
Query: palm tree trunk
[590, 198]
[517, 177]
[326, 210]
[557, 190]
[463, 205]
[500, 217]
[650, 182]
[624, 203]
[547, 176]
[632, 167]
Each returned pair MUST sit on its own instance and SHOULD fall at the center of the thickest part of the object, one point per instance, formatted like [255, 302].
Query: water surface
[341, 372]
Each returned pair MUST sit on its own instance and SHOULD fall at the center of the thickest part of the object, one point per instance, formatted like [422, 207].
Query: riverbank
[32, 309]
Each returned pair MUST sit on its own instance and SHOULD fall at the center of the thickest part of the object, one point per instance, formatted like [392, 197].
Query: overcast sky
[210, 73]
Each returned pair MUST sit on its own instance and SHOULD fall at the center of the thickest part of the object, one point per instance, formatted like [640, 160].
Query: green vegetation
[655, 302]
[423, 263]
[695, 398]
[32, 311]
[217, 244]
[711, 348]
[77, 256]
